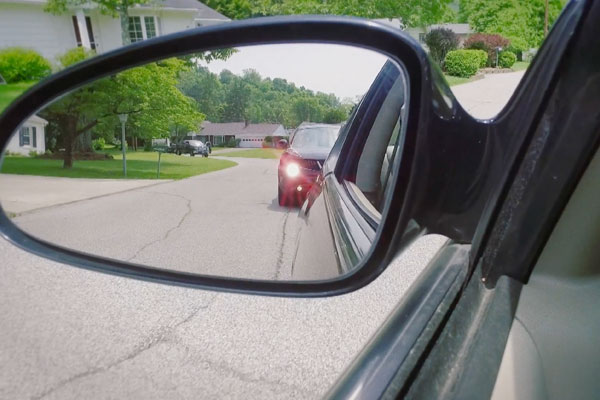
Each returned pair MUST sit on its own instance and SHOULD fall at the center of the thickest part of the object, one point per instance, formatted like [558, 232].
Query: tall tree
[147, 94]
[411, 12]
[518, 20]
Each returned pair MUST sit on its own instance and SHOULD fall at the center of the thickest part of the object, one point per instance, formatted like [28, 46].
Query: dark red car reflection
[302, 161]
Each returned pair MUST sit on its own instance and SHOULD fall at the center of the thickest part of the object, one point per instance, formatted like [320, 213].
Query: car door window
[374, 173]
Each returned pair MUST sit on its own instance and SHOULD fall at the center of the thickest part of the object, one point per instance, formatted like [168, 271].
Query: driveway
[22, 193]
[485, 97]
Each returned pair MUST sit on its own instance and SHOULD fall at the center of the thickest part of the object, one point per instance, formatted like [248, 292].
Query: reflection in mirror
[201, 163]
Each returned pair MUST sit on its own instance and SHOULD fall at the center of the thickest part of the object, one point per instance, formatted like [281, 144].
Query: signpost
[160, 146]
[123, 119]
[160, 151]
[498, 50]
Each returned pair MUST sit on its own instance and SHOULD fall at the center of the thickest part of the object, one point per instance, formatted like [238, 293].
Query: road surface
[71, 334]
[225, 223]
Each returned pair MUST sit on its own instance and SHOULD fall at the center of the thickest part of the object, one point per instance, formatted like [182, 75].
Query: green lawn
[455, 80]
[253, 153]
[520, 65]
[11, 91]
[140, 165]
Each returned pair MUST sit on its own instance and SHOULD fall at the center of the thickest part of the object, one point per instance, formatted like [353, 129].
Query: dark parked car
[192, 147]
[508, 308]
[301, 162]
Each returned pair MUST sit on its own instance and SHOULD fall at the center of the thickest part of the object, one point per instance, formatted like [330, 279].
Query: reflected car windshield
[318, 136]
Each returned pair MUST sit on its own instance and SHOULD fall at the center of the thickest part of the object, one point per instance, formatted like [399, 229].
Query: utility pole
[546, 19]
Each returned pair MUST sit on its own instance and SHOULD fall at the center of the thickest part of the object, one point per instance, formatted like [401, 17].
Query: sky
[343, 70]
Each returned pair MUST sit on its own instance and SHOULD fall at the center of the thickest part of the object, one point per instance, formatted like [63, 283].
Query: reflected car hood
[310, 153]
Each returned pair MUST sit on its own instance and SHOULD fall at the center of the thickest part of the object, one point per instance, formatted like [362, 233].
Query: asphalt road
[71, 334]
[225, 223]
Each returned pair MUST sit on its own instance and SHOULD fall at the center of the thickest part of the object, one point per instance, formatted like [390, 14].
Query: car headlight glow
[292, 170]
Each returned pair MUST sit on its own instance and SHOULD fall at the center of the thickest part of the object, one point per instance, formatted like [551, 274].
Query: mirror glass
[202, 163]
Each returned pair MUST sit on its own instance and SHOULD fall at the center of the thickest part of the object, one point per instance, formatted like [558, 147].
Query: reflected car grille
[314, 165]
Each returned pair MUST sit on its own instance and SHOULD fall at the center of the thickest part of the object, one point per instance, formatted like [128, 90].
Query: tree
[236, 102]
[440, 41]
[514, 19]
[307, 108]
[147, 94]
[411, 12]
[206, 89]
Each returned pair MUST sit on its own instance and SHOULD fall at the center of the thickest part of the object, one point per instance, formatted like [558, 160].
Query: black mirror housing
[419, 202]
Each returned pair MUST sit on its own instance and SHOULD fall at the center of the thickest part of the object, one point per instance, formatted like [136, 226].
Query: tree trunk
[546, 19]
[124, 16]
[83, 143]
[71, 126]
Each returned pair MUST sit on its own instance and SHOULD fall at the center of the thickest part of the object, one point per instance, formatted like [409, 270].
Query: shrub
[232, 142]
[33, 153]
[148, 145]
[482, 56]
[488, 42]
[518, 46]
[462, 63]
[98, 144]
[74, 56]
[19, 65]
[440, 41]
[506, 59]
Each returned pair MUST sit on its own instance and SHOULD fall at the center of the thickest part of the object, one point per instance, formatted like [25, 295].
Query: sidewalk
[486, 97]
[21, 193]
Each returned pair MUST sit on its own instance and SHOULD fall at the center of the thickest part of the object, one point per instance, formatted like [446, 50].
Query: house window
[24, 138]
[150, 27]
[34, 136]
[135, 29]
[141, 28]
[90, 32]
[422, 37]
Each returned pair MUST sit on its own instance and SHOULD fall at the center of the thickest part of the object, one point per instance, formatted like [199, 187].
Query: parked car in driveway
[192, 147]
[301, 162]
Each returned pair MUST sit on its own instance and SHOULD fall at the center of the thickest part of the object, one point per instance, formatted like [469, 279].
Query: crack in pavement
[279, 262]
[247, 376]
[157, 337]
[168, 232]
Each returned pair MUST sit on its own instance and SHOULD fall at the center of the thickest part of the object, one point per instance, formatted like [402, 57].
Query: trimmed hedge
[23, 65]
[483, 57]
[463, 63]
[506, 59]
[74, 55]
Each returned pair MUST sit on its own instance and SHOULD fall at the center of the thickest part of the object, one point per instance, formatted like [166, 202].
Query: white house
[31, 137]
[24, 23]
[249, 135]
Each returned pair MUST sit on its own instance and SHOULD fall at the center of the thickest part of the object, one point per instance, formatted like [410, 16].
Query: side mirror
[283, 144]
[129, 232]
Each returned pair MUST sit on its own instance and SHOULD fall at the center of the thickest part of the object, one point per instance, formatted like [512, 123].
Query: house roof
[37, 120]
[238, 128]
[203, 11]
[459, 29]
